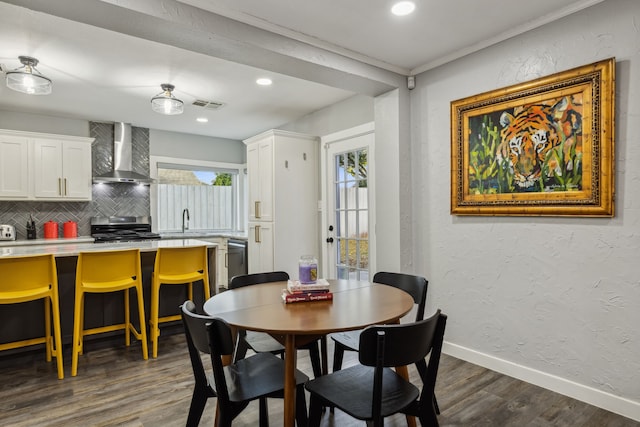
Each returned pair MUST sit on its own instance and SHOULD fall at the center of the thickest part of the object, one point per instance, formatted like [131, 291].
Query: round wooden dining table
[355, 305]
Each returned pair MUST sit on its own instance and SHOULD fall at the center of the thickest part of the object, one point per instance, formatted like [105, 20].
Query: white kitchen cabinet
[39, 166]
[260, 251]
[62, 169]
[14, 167]
[282, 170]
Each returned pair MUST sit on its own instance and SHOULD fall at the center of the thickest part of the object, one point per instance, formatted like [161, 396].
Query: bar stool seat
[102, 272]
[30, 278]
[175, 266]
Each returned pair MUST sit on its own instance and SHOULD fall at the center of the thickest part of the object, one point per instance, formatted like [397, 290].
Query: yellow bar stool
[102, 272]
[175, 266]
[31, 278]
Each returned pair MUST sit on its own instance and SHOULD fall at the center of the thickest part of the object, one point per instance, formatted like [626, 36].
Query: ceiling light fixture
[202, 120]
[403, 8]
[264, 81]
[27, 79]
[165, 102]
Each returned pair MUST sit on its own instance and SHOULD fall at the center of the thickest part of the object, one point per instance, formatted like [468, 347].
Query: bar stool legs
[175, 266]
[30, 278]
[108, 271]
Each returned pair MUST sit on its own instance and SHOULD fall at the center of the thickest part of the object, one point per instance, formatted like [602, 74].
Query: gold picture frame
[540, 148]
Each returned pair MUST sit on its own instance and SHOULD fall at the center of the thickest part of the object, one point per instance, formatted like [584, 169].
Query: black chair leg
[338, 355]
[314, 354]
[435, 405]
[315, 412]
[241, 346]
[301, 407]
[264, 413]
[198, 402]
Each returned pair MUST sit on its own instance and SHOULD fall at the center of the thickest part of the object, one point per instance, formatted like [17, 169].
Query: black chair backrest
[253, 279]
[415, 286]
[207, 335]
[398, 345]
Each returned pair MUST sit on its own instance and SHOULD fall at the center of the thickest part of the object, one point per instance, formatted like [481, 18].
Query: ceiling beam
[180, 25]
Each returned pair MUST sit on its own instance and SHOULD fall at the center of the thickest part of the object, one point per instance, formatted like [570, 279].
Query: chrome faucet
[185, 227]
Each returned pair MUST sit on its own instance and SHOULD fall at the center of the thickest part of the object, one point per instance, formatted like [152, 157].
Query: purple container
[308, 269]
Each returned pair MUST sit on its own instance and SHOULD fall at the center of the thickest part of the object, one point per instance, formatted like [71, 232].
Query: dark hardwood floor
[116, 387]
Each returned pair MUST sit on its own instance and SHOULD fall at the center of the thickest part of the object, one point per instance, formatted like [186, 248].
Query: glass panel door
[349, 208]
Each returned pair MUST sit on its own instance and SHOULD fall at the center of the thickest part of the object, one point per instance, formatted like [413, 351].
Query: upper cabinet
[14, 167]
[62, 169]
[260, 164]
[51, 167]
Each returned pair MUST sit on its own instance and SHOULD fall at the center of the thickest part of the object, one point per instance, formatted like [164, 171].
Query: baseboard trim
[619, 405]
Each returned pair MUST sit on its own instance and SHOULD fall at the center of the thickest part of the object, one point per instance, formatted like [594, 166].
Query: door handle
[258, 234]
[257, 209]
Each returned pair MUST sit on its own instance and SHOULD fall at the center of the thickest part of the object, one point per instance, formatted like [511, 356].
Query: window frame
[240, 190]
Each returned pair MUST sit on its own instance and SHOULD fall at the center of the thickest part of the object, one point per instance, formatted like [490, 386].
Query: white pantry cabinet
[283, 178]
[260, 247]
[51, 167]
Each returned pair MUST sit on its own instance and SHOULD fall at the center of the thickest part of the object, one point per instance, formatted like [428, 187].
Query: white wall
[43, 123]
[198, 147]
[349, 113]
[555, 301]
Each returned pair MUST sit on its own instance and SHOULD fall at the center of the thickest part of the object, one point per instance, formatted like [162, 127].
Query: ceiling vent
[208, 105]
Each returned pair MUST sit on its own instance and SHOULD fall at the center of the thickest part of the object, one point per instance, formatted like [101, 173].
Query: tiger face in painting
[528, 136]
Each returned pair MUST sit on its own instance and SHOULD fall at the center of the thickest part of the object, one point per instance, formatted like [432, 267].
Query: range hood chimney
[122, 149]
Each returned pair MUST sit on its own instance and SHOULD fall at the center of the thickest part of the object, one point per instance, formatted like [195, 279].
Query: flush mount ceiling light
[27, 79]
[264, 81]
[165, 102]
[403, 8]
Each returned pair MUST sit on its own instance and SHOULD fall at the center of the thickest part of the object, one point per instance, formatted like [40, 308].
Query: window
[211, 193]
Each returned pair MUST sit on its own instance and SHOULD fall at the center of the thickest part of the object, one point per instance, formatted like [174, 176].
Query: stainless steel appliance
[7, 232]
[236, 257]
[115, 229]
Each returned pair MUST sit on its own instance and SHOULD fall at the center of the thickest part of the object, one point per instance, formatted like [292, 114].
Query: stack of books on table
[302, 292]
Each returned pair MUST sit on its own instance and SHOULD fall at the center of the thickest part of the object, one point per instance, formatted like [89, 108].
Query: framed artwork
[543, 147]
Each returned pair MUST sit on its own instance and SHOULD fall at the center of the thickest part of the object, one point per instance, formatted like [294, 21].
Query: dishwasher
[237, 263]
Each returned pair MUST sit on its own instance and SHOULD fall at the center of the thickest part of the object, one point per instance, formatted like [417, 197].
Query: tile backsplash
[107, 199]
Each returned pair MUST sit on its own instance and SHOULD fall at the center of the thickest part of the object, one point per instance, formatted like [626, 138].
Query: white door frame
[325, 181]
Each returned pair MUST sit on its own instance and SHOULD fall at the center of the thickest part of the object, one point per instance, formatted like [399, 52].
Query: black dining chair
[236, 385]
[371, 390]
[415, 286]
[261, 342]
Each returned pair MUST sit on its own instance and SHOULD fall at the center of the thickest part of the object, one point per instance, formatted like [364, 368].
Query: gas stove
[115, 229]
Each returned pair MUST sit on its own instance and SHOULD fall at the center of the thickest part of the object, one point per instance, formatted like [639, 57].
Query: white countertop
[61, 241]
[68, 248]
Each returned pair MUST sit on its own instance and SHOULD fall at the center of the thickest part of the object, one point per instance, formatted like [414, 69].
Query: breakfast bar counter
[101, 309]
[68, 248]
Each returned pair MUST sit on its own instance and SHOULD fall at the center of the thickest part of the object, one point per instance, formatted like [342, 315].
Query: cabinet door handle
[60, 186]
[66, 190]
[257, 209]
[226, 260]
[257, 234]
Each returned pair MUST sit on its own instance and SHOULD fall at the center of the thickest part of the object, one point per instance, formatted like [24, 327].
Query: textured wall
[107, 199]
[558, 295]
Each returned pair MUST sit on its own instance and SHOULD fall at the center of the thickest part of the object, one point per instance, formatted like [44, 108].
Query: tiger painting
[539, 144]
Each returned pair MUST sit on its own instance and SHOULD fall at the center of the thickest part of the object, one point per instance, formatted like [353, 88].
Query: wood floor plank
[116, 387]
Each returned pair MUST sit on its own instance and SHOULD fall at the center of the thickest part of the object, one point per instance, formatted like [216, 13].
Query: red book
[304, 297]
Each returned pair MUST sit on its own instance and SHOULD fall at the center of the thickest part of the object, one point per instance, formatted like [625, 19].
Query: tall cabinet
[283, 174]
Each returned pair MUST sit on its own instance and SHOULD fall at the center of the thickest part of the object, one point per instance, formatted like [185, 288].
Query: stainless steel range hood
[122, 149]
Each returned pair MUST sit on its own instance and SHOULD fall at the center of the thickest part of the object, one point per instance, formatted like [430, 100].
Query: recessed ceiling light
[202, 120]
[264, 81]
[403, 8]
